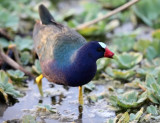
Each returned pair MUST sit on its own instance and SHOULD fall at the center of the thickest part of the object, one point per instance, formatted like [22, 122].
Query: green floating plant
[23, 43]
[152, 86]
[128, 60]
[152, 110]
[124, 43]
[131, 99]
[9, 19]
[136, 117]
[102, 63]
[142, 72]
[4, 43]
[25, 57]
[120, 74]
[127, 118]
[142, 45]
[91, 11]
[89, 87]
[153, 50]
[37, 68]
[147, 11]
[150, 49]
[156, 34]
[156, 61]
[6, 88]
[123, 118]
[17, 75]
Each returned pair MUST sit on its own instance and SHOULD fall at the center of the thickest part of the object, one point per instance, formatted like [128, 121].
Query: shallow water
[64, 100]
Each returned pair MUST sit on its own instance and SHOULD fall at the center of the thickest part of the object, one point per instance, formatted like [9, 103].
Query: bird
[66, 58]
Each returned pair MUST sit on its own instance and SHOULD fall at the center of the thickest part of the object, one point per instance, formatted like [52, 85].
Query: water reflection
[57, 99]
[3, 107]
[68, 107]
[66, 87]
[40, 101]
[80, 109]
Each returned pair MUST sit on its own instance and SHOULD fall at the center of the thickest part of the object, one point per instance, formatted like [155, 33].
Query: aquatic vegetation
[127, 87]
[128, 60]
[7, 88]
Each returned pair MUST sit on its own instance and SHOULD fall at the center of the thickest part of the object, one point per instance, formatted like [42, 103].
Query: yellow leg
[80, 96]
[39, 83]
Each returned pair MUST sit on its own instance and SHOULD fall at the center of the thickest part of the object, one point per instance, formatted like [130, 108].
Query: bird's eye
[100, 49]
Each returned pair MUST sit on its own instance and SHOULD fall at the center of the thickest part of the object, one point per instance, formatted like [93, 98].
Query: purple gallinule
[65, 56]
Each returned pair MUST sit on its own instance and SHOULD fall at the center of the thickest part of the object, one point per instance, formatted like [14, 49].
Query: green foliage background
[134, 36]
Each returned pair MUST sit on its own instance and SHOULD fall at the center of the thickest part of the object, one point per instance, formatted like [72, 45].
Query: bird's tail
[46, 17]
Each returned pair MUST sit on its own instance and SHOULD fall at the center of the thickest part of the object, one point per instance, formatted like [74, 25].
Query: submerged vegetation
[131, 80]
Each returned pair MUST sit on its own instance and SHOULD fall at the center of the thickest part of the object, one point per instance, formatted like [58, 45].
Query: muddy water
[65, 102]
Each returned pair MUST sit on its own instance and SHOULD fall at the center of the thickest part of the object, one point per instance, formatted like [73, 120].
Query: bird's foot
[39, 84]
[80, 96]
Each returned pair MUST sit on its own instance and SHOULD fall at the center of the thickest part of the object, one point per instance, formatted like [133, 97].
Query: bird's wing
[54, 42]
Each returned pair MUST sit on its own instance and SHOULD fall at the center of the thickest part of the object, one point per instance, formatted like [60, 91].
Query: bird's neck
[82, 58]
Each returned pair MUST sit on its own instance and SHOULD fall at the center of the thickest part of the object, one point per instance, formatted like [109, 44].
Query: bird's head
[98, 50]
[107, 52]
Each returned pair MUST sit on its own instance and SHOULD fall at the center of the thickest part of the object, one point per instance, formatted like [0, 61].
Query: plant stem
[15, 65]
[123, 7]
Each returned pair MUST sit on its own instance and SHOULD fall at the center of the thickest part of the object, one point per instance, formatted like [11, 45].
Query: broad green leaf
[156, 44]
[152, 97]
[156, 34]
[124, 43]
[6, 88]
[130, 99]
[25, 57]
[4, 43]
[156, 61]
[142, 45]
[152, 109]
[23, 43]
[142, 72]
[151, 53]
[134, 84]
[37, 68]
[9, 20]
[102, 63]
[153, 88]
[149, 80]
[124, 118]
[158, 79]
[147, 10]
[136, 117]
[17, 75]
[12, 21]
[90, 86]
[3, 77]
[156, 88]
[91, 10]
[120, 74]
[128, 60]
